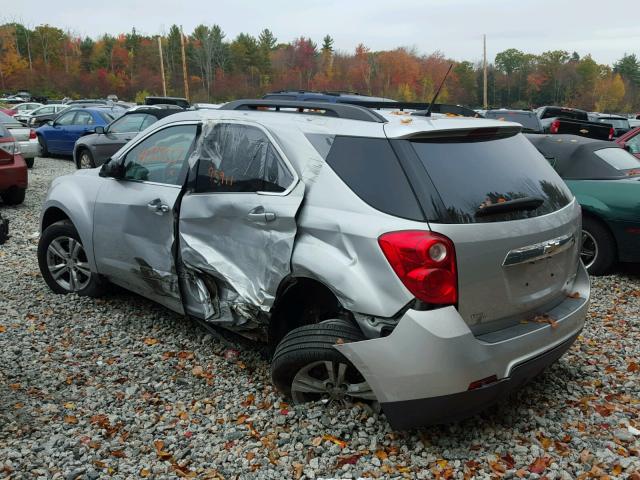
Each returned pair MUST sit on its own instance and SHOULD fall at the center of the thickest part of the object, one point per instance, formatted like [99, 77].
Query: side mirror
[99, 129]
[112, 169]
[49, 122]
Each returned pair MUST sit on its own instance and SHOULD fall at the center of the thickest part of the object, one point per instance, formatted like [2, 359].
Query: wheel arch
[302, 301]
[601, 221]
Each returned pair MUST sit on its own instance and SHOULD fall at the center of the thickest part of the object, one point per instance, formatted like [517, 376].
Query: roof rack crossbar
[339, 110]
[418, 106]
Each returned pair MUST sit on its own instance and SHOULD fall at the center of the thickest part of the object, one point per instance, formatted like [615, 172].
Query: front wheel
[86, 159]
[306, 367]
[597, 249]
[29, 162]
[13, 196]
[63, 262]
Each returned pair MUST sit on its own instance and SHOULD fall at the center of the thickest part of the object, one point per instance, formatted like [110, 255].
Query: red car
[13, 170]
[630, 141]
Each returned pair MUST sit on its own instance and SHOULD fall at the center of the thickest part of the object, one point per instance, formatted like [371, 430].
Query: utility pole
[484, 68]
[164, 83]
[184, 66]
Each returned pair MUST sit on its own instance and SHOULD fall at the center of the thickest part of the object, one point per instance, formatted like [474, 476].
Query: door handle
[157, 207]
[258, 215]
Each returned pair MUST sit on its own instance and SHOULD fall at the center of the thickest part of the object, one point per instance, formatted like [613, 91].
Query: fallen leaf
[539, 465]
[70, 405]
[508, 460]
[3, 329]
[382, 455]
[337, 441]
[197, 370]
[348, 460]
[151, 341]
[144, 472]
[317, 441]
[118, 454]
[497, 468]
[633, 367]
[617, 469]
[574, 295]
[242, 419]
[70, 419]
[14, 386]
[249, 400]
[297, 470]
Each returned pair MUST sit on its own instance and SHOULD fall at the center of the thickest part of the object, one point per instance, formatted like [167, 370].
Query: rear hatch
[513, 221]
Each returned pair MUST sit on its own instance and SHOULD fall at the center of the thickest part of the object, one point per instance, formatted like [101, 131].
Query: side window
[240, 158]
[66, 119]
[45, 110]
[127, 123]
[83, 118]
[162, 157]
[634, 144]
[148, 121]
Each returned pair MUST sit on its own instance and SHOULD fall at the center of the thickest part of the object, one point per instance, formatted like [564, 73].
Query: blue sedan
[60, 135]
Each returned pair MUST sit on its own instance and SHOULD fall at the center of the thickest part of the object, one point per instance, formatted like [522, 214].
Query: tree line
[49, 61]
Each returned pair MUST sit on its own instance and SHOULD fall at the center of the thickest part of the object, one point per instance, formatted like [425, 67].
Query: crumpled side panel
[244, 240]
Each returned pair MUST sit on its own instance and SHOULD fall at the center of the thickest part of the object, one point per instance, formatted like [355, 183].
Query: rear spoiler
[464, 134]
[419, 108]
[180, 102]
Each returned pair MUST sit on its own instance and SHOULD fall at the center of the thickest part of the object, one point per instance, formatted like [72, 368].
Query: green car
[605, 179]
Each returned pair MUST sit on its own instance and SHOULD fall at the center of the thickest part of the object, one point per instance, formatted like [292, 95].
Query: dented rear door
[237, 223]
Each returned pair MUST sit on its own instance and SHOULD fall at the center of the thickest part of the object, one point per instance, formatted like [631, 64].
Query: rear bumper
[30, 148]
[13, 174]
[421, 373]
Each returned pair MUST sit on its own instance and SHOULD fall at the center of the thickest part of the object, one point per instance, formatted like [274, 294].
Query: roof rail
[339, 110]
[437, 107]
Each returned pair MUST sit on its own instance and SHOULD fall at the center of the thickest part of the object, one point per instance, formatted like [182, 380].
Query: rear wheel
[85, 159]
[597, 249]
[306, 367]
[43, 146]
[63, 262]
[13, 196]
[29, 162]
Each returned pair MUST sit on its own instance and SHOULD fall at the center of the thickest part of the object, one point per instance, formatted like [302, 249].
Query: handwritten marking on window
[217, 177]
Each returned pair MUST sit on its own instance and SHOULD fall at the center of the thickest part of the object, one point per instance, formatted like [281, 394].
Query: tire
[29, 162]
[304, 353]
[58, 238]
[43, 146]
[85, 159]
[600, 258]
[13, 196]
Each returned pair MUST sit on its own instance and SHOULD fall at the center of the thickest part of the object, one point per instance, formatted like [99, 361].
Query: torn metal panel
[241, 238]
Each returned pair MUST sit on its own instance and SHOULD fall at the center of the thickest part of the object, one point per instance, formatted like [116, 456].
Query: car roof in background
[155, 112]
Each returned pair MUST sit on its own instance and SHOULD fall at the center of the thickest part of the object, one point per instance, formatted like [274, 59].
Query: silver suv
[428, 264]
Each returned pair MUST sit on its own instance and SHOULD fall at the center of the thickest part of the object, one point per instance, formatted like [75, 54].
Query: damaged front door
[134, 221]
[237, 223]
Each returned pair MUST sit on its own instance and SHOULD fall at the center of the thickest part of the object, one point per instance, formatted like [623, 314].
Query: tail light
[425, 262]
[612, 133]
[32, 134]
[555, 126]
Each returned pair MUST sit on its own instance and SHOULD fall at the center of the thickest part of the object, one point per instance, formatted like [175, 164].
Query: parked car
[93, 149]
[428, 300]
[563, 120]
[25, 138]
[13, 170]
[46, 114]
[606, 181]
[60, 135]
[619, 123]
[25, 108]
[634, 123]
[40, 115]
[630, 141]
[528, 119]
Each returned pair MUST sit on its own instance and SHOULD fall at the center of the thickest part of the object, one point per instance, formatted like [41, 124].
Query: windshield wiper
[515, 205]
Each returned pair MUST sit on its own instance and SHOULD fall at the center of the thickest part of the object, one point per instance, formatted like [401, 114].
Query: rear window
[470, 175]
[565, 113]
[619, 159]
[615, 122]
[528, 120]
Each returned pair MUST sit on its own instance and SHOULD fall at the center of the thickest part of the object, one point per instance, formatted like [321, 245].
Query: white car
[24, 116]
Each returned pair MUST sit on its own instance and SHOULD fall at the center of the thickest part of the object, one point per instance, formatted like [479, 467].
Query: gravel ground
[121, 388]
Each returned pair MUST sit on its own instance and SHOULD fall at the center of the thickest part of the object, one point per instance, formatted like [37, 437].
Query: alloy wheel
[67, 264]
[330, 382]
[588, 249]
[85, 160]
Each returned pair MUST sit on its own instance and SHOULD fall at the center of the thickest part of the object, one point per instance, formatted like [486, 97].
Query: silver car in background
[24, 136]
[428, 264]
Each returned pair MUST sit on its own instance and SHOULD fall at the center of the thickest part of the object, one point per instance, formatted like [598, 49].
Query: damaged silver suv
[430, 264]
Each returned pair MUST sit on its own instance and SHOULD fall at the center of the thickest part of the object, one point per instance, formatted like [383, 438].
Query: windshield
[471, 175]
[620, 159]
[528, 120]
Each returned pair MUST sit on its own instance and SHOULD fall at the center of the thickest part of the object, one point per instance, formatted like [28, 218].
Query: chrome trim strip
[538, 251]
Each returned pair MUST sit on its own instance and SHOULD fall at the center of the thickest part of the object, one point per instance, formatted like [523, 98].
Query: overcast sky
[605, 29]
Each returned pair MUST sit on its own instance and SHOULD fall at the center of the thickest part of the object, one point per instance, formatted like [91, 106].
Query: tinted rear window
[615, 122]
[469, 175]
[371, 169]
[619, 159]
[565, 113]
[528, 120]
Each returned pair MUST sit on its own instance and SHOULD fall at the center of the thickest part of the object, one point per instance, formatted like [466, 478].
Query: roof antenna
[428, 114]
